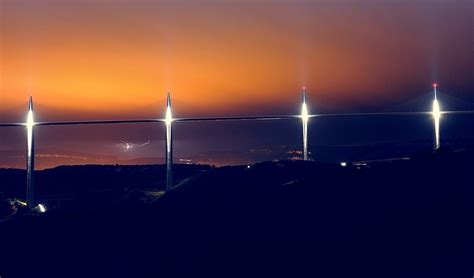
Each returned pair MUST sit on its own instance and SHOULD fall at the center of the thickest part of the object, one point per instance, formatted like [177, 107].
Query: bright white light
[30, 120]
[304, 112]
[30, 123]
[305, 118]
[41, 208]
[436, 110]
[343, 164]
[169, 116]
[248, 166]
[436, 118]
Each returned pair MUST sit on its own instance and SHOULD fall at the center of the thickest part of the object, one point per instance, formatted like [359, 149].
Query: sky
[104, 59]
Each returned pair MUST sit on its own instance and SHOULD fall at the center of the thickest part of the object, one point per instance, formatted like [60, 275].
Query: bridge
[169, 121]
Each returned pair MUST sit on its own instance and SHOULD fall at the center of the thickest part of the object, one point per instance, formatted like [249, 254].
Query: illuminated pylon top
[30, 120]
[30, 104]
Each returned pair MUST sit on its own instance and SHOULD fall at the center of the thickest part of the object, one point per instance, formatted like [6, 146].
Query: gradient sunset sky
[109, 59]
[105, 58]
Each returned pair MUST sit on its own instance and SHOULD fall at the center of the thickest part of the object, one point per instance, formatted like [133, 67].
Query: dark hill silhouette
[276, 219]
[72, 180]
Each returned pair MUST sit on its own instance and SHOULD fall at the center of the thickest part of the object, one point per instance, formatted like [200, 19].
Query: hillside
[293, 219]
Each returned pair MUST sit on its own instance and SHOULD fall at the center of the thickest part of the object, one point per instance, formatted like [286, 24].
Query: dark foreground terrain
[288, 219]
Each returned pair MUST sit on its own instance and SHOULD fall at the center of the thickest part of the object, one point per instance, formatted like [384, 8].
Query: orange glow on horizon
[106, 58]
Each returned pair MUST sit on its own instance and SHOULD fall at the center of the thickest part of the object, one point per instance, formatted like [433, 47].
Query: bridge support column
[304, 120]
[169, 144]
[30, 156]
[436, 113]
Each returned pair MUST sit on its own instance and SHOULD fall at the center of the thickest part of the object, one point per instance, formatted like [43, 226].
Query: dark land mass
[406, 218]
[94, 186]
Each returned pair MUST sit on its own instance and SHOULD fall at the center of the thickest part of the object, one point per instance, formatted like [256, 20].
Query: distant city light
[343, 164]
[21, 203]
[41, 208]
